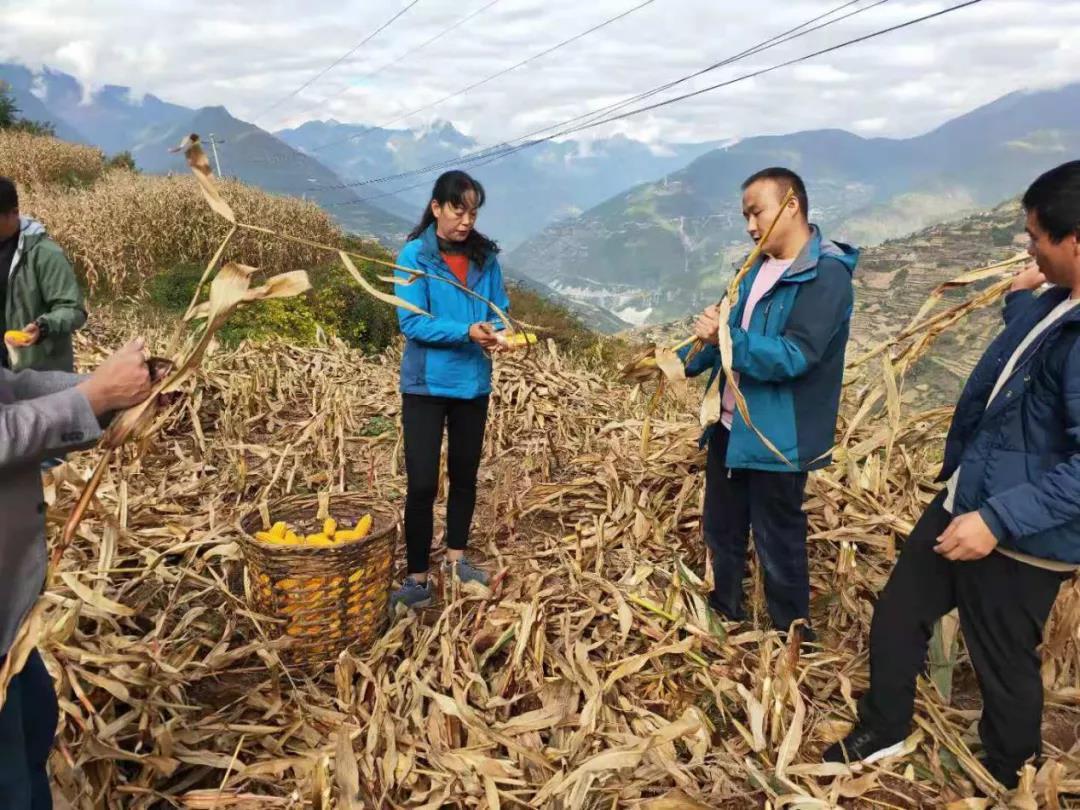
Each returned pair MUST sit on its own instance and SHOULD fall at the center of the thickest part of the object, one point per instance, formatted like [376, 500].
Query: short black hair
[787, 180]
[1055, 200]
[9, 196]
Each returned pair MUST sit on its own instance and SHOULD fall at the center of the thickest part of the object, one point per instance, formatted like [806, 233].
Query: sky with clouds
[251, 55]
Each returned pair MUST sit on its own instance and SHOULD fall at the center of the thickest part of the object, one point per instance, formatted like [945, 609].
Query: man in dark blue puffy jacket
[1004, 534]
[789, 331]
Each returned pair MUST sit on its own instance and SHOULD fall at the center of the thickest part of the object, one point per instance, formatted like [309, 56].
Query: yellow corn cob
[347, 535]
[319, 539]
[519, 340]
[329, 527]
[292, 539]
[265, 537]
[17, 337]
[279, 529]
[363, 526]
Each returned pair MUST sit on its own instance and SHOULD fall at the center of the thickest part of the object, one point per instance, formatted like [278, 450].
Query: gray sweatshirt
[41, 414]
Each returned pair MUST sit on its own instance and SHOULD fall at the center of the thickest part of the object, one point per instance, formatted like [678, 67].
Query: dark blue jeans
[771, 504]
[27, 727]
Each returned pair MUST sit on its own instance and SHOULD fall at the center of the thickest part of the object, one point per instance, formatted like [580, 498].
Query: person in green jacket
[40, 293]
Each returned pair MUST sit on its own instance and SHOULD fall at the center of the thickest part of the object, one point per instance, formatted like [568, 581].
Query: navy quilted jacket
[1019, 459]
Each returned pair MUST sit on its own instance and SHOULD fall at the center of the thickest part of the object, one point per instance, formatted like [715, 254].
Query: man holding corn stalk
[1004, 534]
[789, 328]
[41, 413]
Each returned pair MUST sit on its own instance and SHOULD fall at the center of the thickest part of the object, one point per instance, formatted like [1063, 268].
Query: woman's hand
[484, 336]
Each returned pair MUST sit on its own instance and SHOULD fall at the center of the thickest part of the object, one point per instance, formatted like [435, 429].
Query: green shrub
[171, 290]
[122, 160]
[336, 303]
[343, 309]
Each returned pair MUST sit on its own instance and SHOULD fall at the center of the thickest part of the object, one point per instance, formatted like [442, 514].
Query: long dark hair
[451, 188]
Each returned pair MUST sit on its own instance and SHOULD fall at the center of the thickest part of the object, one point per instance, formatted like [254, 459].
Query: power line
[372, 74]
[718, 85]
[500, 73]
[336, 62]
[779, 39]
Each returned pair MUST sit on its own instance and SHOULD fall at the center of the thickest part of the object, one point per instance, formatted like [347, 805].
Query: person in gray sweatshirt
[42, 413]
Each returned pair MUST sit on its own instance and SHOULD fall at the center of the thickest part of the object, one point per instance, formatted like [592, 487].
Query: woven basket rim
[390, 520]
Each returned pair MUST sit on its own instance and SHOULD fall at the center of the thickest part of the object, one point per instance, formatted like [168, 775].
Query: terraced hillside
[895, 278]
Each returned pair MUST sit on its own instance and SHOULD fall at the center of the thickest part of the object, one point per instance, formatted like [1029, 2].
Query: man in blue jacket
[1004, 534]
[789, 330]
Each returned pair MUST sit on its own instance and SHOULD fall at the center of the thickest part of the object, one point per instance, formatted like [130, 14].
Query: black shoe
[863, 745]
[714, 604]
[1001, 773]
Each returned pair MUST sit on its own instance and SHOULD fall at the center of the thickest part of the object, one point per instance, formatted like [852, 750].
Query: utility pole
[217, 161]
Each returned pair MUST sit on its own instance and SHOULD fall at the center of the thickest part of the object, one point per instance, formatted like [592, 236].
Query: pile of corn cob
[281, 535]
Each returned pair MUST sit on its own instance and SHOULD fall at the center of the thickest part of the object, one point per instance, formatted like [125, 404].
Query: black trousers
[771, 504]
[424, 419]
[1003, 605]
[27, 727]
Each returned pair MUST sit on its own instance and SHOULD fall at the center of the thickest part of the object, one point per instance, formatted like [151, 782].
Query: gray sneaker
[412, 594]
[467, 572]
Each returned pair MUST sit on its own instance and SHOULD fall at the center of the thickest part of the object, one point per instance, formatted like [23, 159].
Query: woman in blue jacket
[446, 372]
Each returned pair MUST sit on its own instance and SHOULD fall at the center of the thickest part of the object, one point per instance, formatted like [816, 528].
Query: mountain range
[114, 121]
[331, 162]
[664, 248]
[527, 191]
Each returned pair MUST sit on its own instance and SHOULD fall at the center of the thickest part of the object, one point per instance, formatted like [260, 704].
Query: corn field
[590, 675]
[41, 160]
[126, 227]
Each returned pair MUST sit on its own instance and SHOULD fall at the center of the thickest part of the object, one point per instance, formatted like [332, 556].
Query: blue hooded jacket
[440, 359]
[1019, 459]
[790, 360]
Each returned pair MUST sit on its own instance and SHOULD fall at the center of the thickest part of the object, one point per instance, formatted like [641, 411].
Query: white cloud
[819, 74]
[247, 54]
[870, 126]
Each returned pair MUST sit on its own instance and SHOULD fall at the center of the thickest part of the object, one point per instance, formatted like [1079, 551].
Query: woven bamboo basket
[330, 597]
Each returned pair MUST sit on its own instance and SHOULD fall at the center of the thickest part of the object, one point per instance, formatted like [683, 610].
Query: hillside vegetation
[124, 228]
[144, 238]
[39, 160]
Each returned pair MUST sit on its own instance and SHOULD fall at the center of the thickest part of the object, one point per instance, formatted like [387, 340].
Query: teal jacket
[790, 360]
[440, 359]
[42, 287]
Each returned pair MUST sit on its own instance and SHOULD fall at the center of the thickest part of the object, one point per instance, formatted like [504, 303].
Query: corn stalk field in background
[590, 675]
[127, 227]
[40, 160]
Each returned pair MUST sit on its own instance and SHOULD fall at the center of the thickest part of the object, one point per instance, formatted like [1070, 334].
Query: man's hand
[967, 537]
[1030, 278]
[483, 335]
[33, 335]
[121, 381]
[707, 326]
